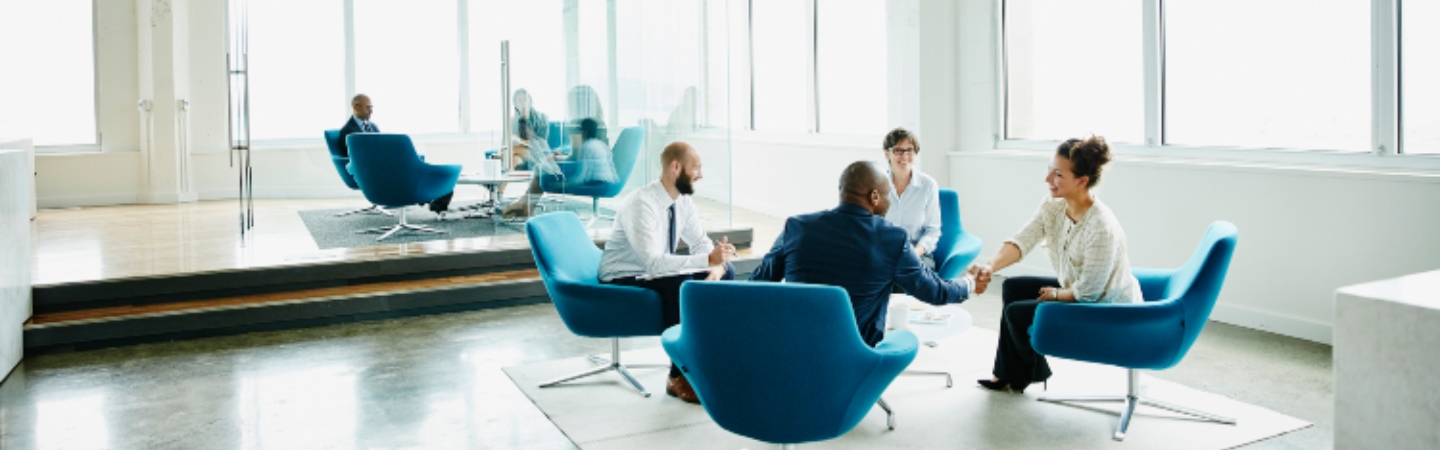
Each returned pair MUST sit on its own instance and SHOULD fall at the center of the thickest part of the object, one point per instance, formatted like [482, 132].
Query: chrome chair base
[949, 380]
[889, 413]
[1133, 399]
[372, 209]
[386, 232]
[608, 365]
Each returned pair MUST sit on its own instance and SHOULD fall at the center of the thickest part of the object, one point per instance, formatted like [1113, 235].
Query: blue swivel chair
[332, 140]
[569, 265]
[782, 362]
[956, 248]
[1152, 335]
[625, 151]
[391, 174]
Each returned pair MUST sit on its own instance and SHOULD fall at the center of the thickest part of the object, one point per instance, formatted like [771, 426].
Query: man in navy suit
[854, 247]
[360, 123]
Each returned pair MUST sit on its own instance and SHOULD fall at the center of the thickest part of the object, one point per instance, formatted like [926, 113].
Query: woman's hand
[919, 251]
[1052, 294]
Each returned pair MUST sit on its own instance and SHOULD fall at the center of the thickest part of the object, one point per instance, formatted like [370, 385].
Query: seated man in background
[641, 249]
[854, 247]
[360, 123]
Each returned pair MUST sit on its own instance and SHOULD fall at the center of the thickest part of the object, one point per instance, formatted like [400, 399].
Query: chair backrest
[1196, 285]
[778, 362]
[332, 140]
[626, 151]
[950, 228]
[386, 167]
[562, 248]
[342, 163]
[557, 136]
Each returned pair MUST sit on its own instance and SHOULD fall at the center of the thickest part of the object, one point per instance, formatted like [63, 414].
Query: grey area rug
[603, 413]
[339, 232]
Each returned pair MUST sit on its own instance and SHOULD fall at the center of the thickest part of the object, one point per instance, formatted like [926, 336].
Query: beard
[684, 183]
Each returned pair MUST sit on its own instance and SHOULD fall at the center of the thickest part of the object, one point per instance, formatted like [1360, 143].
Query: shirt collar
[852, 209]
[661, 195]
[357, 120]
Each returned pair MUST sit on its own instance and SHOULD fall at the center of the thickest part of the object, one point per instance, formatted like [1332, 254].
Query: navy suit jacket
[351, 126]
[861, 252]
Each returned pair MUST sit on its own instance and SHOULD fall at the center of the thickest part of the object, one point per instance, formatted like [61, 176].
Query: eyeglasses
[902, 150]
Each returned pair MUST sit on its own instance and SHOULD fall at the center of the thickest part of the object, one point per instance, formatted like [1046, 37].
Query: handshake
[981, 274]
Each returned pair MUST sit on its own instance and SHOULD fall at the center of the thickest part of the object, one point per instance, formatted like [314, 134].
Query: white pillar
[164, 82]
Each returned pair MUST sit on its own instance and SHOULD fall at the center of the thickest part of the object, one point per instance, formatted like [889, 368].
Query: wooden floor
[100, 243]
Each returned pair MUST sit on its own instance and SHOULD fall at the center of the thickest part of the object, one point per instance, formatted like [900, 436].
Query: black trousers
[1015, 361]
[669, 290]
[443, 203]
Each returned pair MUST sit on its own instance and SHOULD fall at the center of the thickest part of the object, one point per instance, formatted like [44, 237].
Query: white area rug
[602, 412]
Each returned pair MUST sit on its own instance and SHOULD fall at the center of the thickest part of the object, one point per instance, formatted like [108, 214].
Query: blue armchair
[956, 248]
[1152, 335]
[569, 264]
[391, 174]
[625, 152]
[332, 140]
[782, 362]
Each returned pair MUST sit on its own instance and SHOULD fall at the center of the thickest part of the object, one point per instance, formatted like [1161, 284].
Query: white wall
[1305, 229]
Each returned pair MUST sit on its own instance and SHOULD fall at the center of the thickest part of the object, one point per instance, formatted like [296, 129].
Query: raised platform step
[314, 275]
[101, 314]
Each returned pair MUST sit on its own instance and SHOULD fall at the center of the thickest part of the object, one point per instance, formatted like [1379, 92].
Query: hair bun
[1087, 156]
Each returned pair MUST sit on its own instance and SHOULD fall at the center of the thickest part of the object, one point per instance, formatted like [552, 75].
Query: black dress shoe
[1003, 386]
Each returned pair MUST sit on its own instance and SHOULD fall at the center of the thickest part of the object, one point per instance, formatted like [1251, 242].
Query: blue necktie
[670, 246]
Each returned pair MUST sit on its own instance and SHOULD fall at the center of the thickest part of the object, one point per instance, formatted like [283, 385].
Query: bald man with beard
[855, 248]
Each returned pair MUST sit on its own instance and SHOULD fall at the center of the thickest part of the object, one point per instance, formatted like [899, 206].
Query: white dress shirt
[918, 210]
[365, 125]
[637, 246]
[1088, 255]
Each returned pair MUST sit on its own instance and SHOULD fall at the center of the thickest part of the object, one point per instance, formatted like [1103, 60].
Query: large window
[851, 66]
[1201, 75]
[297, 68]
[537, 58]
[407, 60]
[1268, 74]
[48, 75]
[782, 56]
[1420, 76]
[1074, 68]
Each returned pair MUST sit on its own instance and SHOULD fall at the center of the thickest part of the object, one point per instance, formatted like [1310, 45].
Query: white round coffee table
[930, 333]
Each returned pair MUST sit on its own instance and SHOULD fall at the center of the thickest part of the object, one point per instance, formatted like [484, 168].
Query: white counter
[15, 307]
[1387, 364]
[29, 148]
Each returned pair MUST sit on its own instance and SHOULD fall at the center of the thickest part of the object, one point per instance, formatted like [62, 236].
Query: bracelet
[1055, 294]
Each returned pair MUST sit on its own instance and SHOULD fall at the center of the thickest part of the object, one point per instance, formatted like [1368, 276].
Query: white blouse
[1089, 255]
[918, 211]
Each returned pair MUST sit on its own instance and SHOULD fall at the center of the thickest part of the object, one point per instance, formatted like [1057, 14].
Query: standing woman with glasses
[914, 196]
[1086, 246]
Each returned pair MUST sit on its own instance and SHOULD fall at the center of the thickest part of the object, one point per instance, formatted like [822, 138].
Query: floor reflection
[76, 422]
[309, 408]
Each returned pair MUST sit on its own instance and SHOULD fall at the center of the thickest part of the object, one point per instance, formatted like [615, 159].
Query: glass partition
[618, 81]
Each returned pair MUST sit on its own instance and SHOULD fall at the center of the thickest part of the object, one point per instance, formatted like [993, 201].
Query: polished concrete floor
[435, 382]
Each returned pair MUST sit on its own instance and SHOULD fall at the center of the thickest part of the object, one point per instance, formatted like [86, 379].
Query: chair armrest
[1134, 335]
[606, 310]
[1153, 282]
[897, 350]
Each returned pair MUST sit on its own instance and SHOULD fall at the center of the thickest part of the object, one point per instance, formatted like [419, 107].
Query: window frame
[1386, 146]
[97, 145]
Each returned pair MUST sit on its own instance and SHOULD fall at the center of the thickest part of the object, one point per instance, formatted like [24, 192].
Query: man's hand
[722, 253]
[981, 272]
[980, 285]
[716, 273]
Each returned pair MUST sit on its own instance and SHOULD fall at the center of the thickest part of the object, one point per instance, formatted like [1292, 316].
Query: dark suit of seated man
[360, 123]
[854, 247]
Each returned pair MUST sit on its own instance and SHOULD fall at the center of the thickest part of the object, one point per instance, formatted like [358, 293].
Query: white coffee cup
[897, 315]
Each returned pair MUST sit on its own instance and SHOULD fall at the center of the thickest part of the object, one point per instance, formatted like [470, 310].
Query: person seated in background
[914, 196]
[641, 250]
[1086, 246]
[595, 163]
[584, 103]
[532, 132]
[854, 247]
[360, 123]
